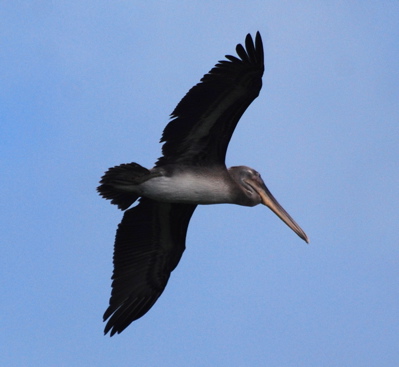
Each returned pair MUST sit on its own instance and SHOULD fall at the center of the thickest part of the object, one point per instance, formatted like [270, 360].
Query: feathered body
[150, 240]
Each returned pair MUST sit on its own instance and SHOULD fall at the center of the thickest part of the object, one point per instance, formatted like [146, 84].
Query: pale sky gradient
[87, 85]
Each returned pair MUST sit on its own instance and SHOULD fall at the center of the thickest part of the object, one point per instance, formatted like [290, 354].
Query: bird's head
[256, 192]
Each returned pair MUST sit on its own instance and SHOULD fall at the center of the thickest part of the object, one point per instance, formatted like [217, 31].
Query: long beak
[269, 200]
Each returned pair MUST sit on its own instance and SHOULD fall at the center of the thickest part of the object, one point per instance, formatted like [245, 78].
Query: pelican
[150, 239]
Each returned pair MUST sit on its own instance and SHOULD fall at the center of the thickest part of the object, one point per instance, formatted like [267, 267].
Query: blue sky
[88, 85]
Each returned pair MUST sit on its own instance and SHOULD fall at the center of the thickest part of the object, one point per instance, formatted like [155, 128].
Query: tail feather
[116, 182]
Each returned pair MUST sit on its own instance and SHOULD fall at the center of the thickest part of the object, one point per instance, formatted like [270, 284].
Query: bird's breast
[189, 188]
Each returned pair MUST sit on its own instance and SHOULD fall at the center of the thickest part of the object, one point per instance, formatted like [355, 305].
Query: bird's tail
[116, 184]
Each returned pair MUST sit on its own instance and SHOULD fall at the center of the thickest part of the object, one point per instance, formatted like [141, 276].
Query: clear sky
[87, 85]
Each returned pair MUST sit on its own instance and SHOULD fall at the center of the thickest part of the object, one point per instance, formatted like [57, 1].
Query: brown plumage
[150, 240]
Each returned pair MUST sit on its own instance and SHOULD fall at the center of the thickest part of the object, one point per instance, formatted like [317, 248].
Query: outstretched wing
[149, 243]
[203, 122]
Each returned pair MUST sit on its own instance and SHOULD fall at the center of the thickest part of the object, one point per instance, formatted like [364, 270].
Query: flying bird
[150, 239]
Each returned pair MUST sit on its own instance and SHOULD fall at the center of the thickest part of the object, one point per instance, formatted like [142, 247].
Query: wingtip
[256, 45]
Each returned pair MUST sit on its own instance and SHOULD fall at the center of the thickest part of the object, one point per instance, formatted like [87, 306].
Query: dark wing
[203, 122]
[149, 243]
